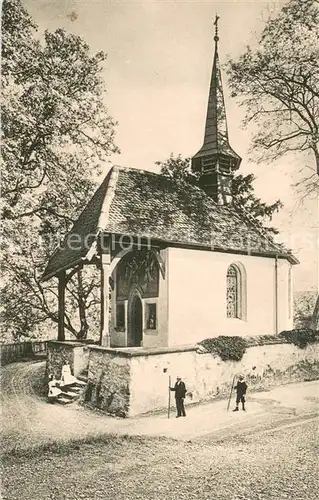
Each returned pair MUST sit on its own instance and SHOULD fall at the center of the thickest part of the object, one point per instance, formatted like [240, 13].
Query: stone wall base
[59, 353]
[130, 382]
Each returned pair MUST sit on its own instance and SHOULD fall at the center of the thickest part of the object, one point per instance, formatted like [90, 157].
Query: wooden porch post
[105, 339]
[61, 295]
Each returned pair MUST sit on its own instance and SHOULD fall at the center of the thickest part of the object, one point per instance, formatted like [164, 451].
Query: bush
[227, 348]
[300, 338]
[304, 304]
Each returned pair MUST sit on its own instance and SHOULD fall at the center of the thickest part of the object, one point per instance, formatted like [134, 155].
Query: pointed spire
[216, 141]
[216, 160]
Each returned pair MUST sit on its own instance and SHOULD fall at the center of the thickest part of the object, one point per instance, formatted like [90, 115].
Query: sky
[157, 75]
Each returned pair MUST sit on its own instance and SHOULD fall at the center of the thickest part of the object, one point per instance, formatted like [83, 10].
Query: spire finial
[216, 37]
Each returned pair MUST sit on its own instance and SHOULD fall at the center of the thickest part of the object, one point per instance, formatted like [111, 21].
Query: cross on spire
[216, 37]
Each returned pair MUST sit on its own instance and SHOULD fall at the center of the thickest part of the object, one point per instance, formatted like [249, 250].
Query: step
[64, 401]
[82, 380]
[69, 394]
[72, 388]
[77, 389]
[78, 384]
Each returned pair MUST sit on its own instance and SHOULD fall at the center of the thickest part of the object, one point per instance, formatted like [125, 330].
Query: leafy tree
[304, 304]
[314, 323]
[178, 170]
[278, 84]
[56, 132]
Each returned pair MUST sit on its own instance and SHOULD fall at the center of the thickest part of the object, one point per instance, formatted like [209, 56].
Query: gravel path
[275, 466]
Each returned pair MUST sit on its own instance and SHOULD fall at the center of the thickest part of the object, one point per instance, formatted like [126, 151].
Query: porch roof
[140, 203]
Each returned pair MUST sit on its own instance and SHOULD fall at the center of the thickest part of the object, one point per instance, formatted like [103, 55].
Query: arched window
[236, 292]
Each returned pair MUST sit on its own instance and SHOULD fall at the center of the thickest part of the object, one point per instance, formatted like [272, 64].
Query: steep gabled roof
[141, 203]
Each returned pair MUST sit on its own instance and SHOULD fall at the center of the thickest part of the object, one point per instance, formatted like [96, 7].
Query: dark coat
[179, 389]
[241, 388]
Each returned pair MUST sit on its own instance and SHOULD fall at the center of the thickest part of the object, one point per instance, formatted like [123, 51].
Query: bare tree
[278, 84]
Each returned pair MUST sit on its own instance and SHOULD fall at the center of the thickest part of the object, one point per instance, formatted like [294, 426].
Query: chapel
[179, 264]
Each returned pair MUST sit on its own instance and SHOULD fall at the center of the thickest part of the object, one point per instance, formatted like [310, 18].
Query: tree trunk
[84, 327]
[316, 151]
[314, 324]
[61, 295]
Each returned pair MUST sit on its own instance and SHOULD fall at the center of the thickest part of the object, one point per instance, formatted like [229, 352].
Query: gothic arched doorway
[135, 321]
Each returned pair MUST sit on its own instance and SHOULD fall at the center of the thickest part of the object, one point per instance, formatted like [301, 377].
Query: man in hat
[241, 389]
[180, 391]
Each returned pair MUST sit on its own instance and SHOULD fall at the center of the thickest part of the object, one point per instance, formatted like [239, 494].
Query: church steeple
[216, 160]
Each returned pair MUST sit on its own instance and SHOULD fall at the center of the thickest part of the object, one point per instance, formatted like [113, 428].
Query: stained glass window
[233, 292]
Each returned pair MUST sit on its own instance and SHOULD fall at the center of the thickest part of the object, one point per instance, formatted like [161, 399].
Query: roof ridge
[105, 208]
[136, 169]
[108, 198]
[158, 174]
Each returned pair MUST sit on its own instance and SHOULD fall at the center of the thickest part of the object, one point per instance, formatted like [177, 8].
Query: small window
[120, 317]
[151, 318]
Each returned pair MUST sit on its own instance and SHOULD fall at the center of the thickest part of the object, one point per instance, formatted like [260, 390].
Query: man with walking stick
[241, 389]
[180, 392]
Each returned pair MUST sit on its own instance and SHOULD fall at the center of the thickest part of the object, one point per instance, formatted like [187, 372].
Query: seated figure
[66, 376]
[54, 390]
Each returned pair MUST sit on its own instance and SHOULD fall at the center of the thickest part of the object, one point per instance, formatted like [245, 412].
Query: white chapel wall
[285, 305]
[197, 295]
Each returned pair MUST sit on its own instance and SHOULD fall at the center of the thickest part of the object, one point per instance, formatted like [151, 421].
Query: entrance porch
[133, 292]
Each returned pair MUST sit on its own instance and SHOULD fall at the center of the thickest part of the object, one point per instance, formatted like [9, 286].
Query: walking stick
[169, 397]
[231, 390]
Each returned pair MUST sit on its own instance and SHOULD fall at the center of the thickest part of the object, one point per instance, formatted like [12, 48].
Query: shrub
[227, 348]
[304, 303]
[300, 338]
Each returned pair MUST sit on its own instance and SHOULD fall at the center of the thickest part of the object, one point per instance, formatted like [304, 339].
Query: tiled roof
[140, 203]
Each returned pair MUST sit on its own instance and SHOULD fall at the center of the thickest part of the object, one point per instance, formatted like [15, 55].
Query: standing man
[180, 391]
[241, 389]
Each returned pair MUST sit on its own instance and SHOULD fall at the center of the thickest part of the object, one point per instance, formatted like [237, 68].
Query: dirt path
[28, 420]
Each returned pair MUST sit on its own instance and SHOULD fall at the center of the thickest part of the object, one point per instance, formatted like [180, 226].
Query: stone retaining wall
[59, 353]
[133, 381]
[129, 382]
[109, 375]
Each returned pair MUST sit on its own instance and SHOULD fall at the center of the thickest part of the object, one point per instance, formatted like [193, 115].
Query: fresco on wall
[137, 268]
